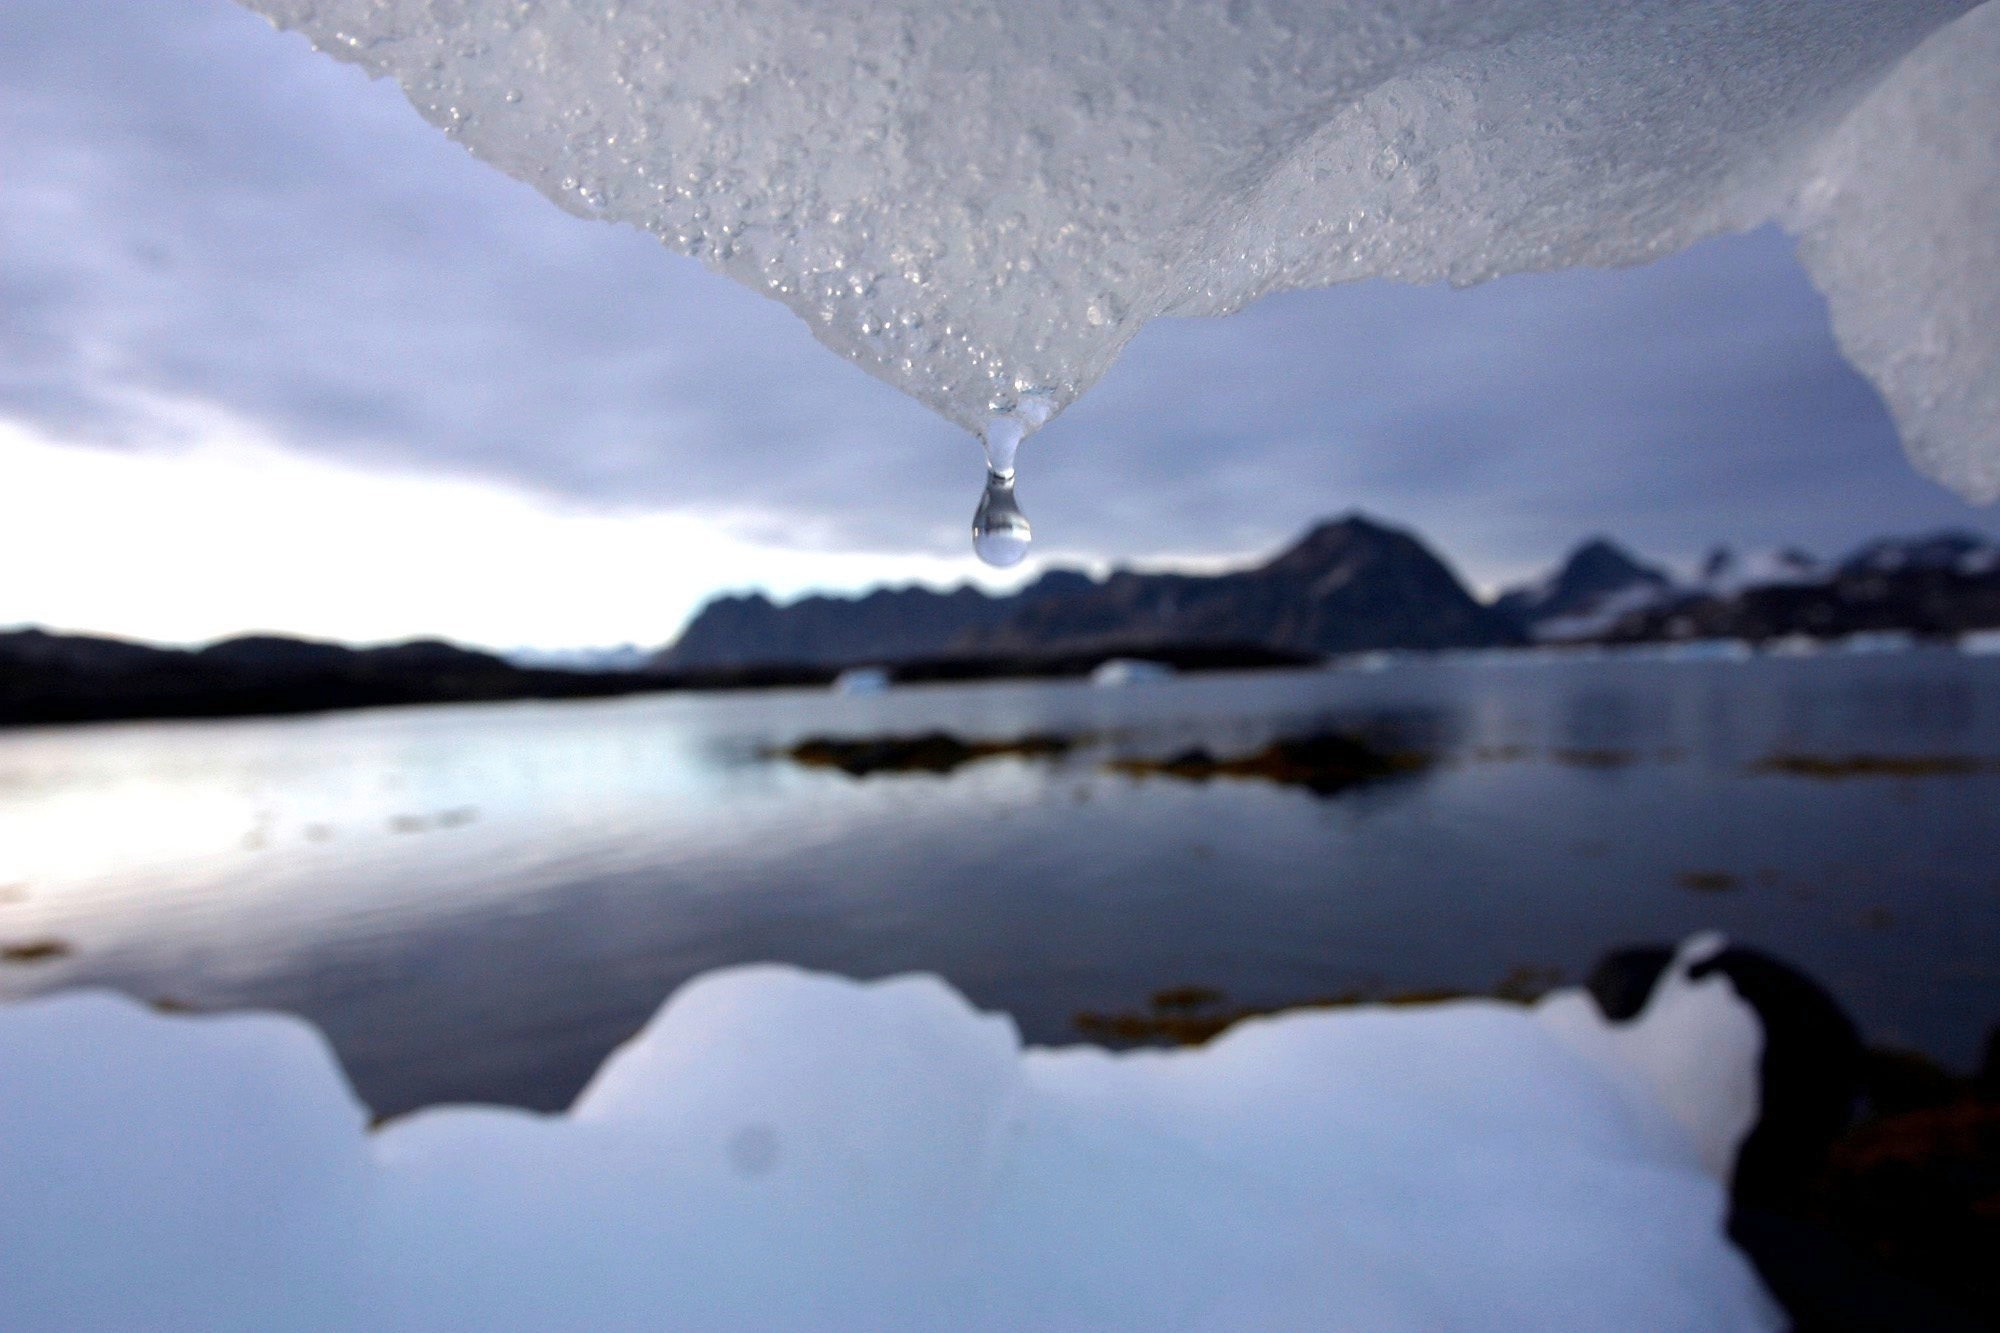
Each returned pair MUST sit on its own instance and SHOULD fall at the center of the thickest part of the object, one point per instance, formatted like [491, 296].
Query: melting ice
[1000, 532]
[980, 198]
[783, 1151]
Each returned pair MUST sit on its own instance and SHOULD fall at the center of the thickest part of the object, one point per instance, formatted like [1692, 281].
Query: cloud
[232, 534]
[198, 210]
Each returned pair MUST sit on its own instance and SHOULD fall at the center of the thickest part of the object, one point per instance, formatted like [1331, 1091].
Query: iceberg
[862, 680]
[1119, 672]
[784, 1150]
[982, 202]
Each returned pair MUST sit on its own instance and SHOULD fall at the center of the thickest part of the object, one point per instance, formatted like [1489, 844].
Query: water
[477, 902]
[1000, 533]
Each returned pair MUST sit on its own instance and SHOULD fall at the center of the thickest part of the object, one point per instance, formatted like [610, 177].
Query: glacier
[982, 202]
[783, 1150]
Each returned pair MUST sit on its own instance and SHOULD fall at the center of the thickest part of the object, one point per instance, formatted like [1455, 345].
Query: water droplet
[999, 529]
[1000, 533]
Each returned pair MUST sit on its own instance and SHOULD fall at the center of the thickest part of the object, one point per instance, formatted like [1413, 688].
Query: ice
[1899, 224]
[983, 201]
[783, 1150]
[1691, 1053]
[174, 1173]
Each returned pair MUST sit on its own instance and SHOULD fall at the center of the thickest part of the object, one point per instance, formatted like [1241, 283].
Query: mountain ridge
[1349, 584]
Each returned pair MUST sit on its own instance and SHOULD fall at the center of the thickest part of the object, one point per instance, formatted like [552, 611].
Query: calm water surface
[476, 903]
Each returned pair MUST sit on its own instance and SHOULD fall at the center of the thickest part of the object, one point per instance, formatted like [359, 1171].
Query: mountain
[1930, 585]
[1961, 552]
[48, 677]
[1348, 585]
[886, 625]
[1725, 572]
[1597, 586]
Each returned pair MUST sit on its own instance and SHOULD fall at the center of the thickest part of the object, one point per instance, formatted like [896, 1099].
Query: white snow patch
[1604, 613]
[782, 1150]
[981, 202]
[1693, 1052]
[1727, 573]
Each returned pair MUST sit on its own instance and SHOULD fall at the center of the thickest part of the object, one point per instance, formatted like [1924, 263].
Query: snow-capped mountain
[1959, 552]
[1725, 572]
[1599, 585]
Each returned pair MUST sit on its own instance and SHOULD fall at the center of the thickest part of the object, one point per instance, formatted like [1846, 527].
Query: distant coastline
[50, 679]
[1348, 587]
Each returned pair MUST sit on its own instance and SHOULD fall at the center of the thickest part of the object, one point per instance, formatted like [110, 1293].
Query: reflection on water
[477, 902]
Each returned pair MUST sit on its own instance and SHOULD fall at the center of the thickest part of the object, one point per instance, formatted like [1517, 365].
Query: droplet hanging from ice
[965, 198]
[1000, 532]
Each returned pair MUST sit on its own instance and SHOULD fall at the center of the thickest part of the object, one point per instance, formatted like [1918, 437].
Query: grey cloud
[194, 205]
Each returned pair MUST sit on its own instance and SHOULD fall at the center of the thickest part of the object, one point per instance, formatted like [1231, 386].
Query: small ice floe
[862, 680]
[1984, 642]
[784, 1150]
[1122, 671]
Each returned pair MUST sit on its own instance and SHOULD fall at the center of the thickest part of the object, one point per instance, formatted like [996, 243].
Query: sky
[276, 355]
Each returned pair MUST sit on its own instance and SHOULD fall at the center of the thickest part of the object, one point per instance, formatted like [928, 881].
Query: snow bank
[985, 199]
[780, 1150]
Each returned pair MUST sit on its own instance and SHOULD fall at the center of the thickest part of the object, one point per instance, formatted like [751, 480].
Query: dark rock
[931, 752]
[1324, 763]
[1918, 1193]
[1808, 1080]
[34, 951]
[1623, 979]
[1827, 1285]
[1888, 1224]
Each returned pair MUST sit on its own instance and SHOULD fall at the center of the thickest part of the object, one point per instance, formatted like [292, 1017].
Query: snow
[1964, 552]
[1604, 613]
[619, 657]
[1727, 573]
[1691, 1052]
[783, 1150]
[982, 202]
